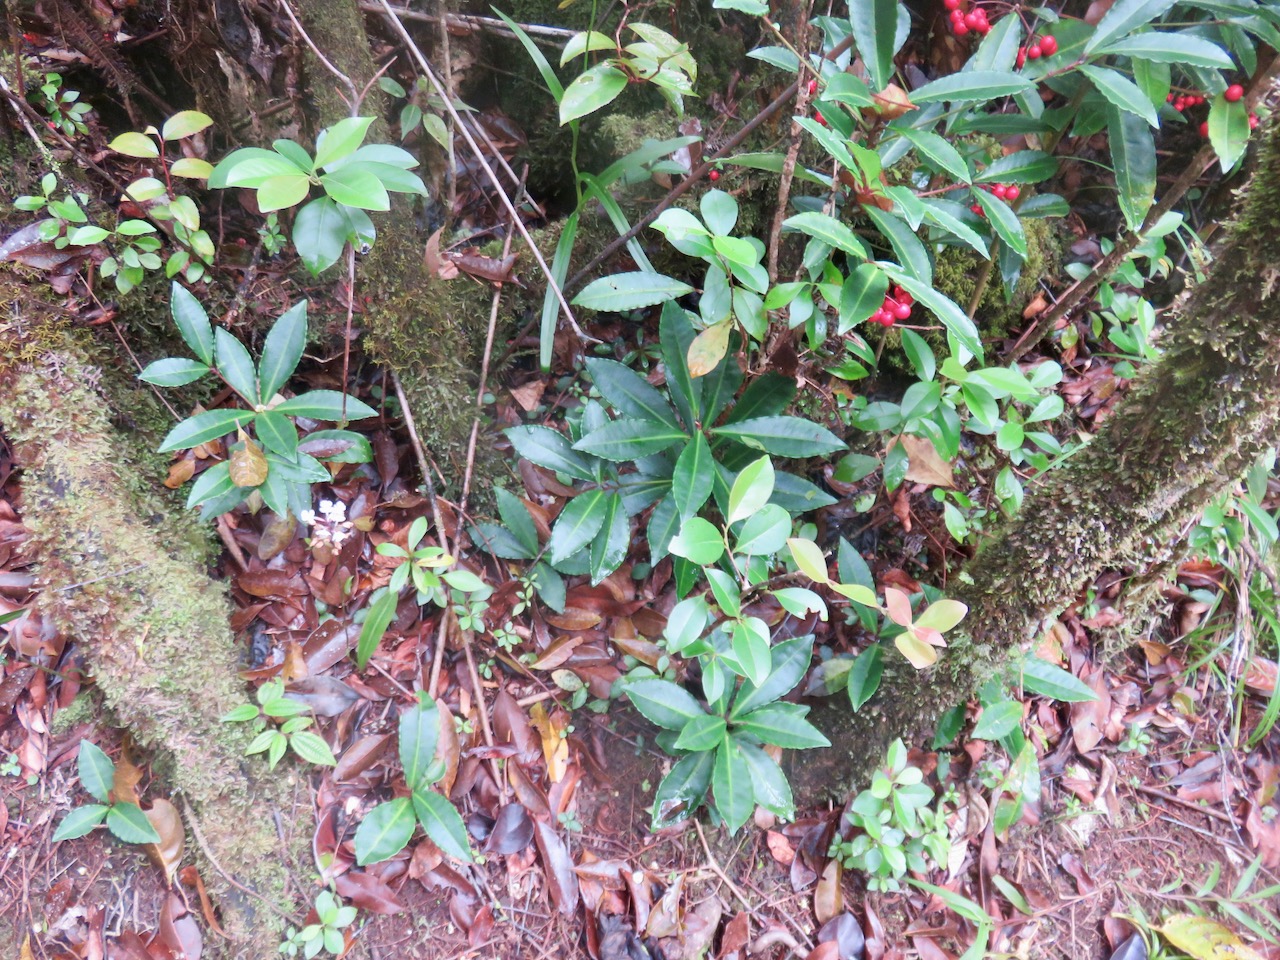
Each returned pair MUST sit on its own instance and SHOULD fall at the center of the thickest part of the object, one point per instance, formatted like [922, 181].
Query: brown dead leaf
[1036, 307]
[892, 102]
[1089, 718]
[436, 264]
[180, 472]
[179, 931]
[562, 882]
[924, 465]
[248, 463]
[529, 395]
[709, 347]
[191, 877]
[124, 787]
[555, 747]
[166, 854]
[828, 898]
[780, 847]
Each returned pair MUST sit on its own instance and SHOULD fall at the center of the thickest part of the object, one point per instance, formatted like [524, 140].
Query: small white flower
[307, 518]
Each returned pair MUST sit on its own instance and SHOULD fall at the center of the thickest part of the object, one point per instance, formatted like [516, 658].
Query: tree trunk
[1191, 427]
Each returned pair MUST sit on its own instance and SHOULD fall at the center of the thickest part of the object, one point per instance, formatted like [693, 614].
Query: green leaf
[694, 476]
[135, 145]
[320, 234]
[942, 615]
[861, 295]
[662, 702]
[312, 748]
[664, 523]
[1040, 676]
[235, 365]
[97, 772]
[578, 523]
[173, 372]
[80, 821]
[419, 733]
[971, 87]
[864, 675]
[829, 230]
[875, 26]
[385, 831]
[719, 211]
[782, 436]
[629, 439]
[768, 782]
[1228, 130]
[282, 192]
[751, 490]
[277, 433]
[440, 819]
[938, 152]
[214, 483]
[325, 405]
[907, 247]
[87, 236]
[610, 548]
[550, 302]
[783, 725]
[731, 785]
[1171, 47]
[130, 824]
[621, 292]
[998, 720]
[547, 448]
[629, 393]
[184, 123]
[379, 617]
[789, 661]
[698, 542]
[356, 187]
[1133, 158]
[1004, 221]
[590, 91]
[1122, 19]
[749, 638]
[701, 733]
[676, 334]
[250, 167]
[203, 427]
[682, 790]
[536, 55]
[517, 518]
[282, 350]
[1122, 92]
[952, 317]
[1022, 166]
[341, 139]
[764, 533]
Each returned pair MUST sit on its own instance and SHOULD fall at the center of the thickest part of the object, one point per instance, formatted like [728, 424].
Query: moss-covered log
[1191, 427]
[129, 585]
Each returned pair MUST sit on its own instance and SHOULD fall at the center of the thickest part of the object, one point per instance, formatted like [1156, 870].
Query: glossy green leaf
[1022, 166]
[325, 405]
[998, 720]
[312, 748]
[731, 785]
[957, 322]
[829, 230]
[282, 350]
[419, 734]
[193, 322]
[235, 365]
[609, 548]
[203, 427]
[135, 145]
[694, 476]
[320, 234]
[629, 439]
[439, 818]
[1122, 19]
[749, 639]
[719, 210]
[629, 393]
[971, 87]
[789, 660]
[751, 490]
[379, 617]
[911, 253]
[277, 433]
[875, 27]
[577, 525]
[341, 139]
[939, 152]
[783, 725]
[173, 372]
[864, 675]
[96, 770]
[676, 334]
[764, 533]
[1040, 676]
[698, 541]
[590, 91]
[1003, 220]
[80, 821]
[282, 192]
[1171, 47]
[782, 436]
[621, 292]
[385, 831]
[1228, 130]
[1133, 158]
[1122, 92]
[662, 702]
[130, 824]
[701, 733]
[768, 782]
[356, 187]
[550, 449]
[861, 295]
[683, 789]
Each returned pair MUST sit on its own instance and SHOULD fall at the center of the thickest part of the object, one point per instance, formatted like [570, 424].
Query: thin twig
[306, 37]
[715, 868]
[553, 35]
[199, 835]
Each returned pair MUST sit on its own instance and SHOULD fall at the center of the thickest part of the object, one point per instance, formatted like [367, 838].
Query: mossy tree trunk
[129, 586]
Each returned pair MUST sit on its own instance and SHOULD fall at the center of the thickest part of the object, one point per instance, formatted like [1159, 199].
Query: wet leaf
[512, 831]
[924, 465]
[845, 933]
[555, 747]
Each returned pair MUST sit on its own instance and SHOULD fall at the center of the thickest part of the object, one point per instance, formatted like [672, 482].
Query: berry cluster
[896, 306]
[1181, 102]
[963, 21]
[1045, 46]
[1003, 191]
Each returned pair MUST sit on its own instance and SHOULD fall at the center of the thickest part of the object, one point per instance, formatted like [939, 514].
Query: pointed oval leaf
[731, 785]
[135, 145]
[204, 427]
[385, 831]
[621, 292]
[590, 91]
[419, 734]
[809, 559]
[130, 824]
[694, 476]
[629, 439]
[282, 350]
[864, 675]
[998, 720]
[698, 542]
[325, 405]
[439, 818]
[629, 393]
[173, 372]
[97, 772]
[663, 703]
[577, 525]
[80, 821]
[184, 123]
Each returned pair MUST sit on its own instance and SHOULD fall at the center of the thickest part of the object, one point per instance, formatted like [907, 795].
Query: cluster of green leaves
[125, 820]
[896, 823]
[277, 467]
[720, 745]
[686, 449]
[163, 204]
[326, 934]
[64, 108]
[353, 178]
[421, 109]
[292, 734]
[428, 569]
[389, 826]
[657, 58]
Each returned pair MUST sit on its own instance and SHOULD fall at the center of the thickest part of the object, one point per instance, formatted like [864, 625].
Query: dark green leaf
[621, 292]
[629, 439]
[380, 615]
[320, 233]
[683, 789]
[911, 253]
[629, 393]
[1170, 47]
[1040, 676]
[694, 476]
[864, 675]
[235, 365]
[971, 87]
[97, 772]
[193, 322]
[939, 152]
[500, 542]
[676, 333]
[783, 725]
[577, 525]
[789, 661]
[1122, 19]
[1133, 157]
[277, 433]
[325, 405]
[385, 831]
[701, 733]
[419, 733]
[698, 542]
[130, 824]
[1022, 166]
[862, 295]
[767, 396]
[957, 322]
[829, 230]
[768, 782]
[1228, 130]
[875, 26]
[948, 726]
[998, 720]
[547, 448]
[1122, 92]
[173, 372]
[1004, 221]
[517, 518]
[443, 825]
[282, 350]
[610, 547]
[782, 436]
[662, 702]
[750, 644]
[731, 785]
[664, 523]
[203, 427]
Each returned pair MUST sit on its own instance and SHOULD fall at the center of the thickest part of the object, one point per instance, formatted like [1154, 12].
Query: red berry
[1180, 104]
[817, 115]
[1021, 60]
[1204, 129]
[713, 176]
[1034, 51]
[1011, 192]
[1048, 46]
[903, 297]
[957, 16]
[972, 20]
[901, 311]
[986, 28]
[813, 87]
[881, 316]
[1234, 93]
[977, 209]
[1000, 190]
[960, 28]
[1253, 121]
[1195, 101]
[951, 4]
[1168, 97]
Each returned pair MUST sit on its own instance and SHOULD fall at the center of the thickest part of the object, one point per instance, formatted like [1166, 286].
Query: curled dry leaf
[555, 747]
[248, 463]
[166, 854]
[892, 102]
[924, 465]
[562, 882]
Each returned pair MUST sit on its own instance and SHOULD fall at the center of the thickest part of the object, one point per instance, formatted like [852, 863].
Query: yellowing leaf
[708, 348]
[248, 464]
[917, 652]
[809, 558]
[898, 605]
[923, 463]
[1205, 939]
[555, 747]
[857, 593]
[942, 615]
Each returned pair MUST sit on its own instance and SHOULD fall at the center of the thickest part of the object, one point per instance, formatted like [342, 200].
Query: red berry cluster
[1004, 191]
[963, 21]
[1045, 46]
[1181, 102]
[896, 306]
